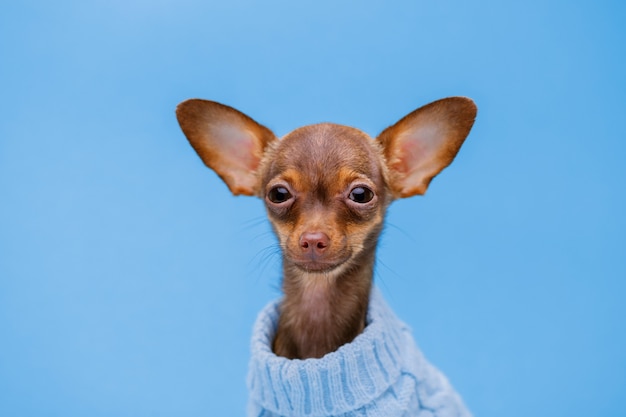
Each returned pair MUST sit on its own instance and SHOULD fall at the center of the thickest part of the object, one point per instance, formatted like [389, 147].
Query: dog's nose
[314, 242]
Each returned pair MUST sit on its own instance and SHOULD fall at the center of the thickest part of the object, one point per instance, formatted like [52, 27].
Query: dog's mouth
[320, 264]
[317, 266]
[317, 255]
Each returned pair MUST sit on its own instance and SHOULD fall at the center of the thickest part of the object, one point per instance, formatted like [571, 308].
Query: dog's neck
[321, 312]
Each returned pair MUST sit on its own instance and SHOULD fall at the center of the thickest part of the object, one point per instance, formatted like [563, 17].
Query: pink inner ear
[240, 147]
[418, 157]
[239, 157]
[420, 147]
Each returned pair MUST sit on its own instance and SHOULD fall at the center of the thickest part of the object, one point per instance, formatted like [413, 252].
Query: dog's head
[326, 186]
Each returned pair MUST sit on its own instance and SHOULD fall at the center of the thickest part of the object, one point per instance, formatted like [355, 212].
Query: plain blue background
[130, 277]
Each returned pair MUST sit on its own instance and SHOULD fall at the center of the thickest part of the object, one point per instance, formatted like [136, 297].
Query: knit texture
[381, 373]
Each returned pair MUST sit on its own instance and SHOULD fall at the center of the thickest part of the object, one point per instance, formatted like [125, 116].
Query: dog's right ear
[424, 142]
[227, 141]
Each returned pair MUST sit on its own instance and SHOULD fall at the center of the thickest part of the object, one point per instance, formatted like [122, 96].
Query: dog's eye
[278, 195]
[361, 195]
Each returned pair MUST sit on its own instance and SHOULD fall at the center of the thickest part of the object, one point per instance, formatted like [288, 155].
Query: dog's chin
[316, 267]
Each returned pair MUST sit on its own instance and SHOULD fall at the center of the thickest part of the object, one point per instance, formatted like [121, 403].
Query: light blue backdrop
[130, 277]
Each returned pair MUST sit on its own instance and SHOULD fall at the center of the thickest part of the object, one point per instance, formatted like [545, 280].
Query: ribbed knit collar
[352, 376]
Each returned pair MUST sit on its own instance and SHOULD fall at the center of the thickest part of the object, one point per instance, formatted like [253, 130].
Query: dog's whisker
[254, 222]
[403, 232]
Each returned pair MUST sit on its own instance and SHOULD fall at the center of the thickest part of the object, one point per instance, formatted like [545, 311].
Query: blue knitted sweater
[381, 373]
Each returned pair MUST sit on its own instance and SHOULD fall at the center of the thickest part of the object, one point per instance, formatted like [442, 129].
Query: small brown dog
[326, 188]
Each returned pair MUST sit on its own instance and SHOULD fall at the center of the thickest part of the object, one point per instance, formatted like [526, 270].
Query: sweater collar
[352, 376]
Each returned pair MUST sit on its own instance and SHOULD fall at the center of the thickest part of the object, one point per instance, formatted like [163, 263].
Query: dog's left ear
[424, 142]
[227, 141]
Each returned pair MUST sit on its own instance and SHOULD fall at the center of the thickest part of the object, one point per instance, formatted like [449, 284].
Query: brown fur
[328, 240]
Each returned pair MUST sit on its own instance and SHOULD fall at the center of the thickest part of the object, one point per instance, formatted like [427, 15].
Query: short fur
[315, 184]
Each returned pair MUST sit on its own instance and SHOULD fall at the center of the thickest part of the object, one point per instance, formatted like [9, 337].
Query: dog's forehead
[330, 147]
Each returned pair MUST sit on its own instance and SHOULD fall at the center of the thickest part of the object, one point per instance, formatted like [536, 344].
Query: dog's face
[326, 187]
[326, 192]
